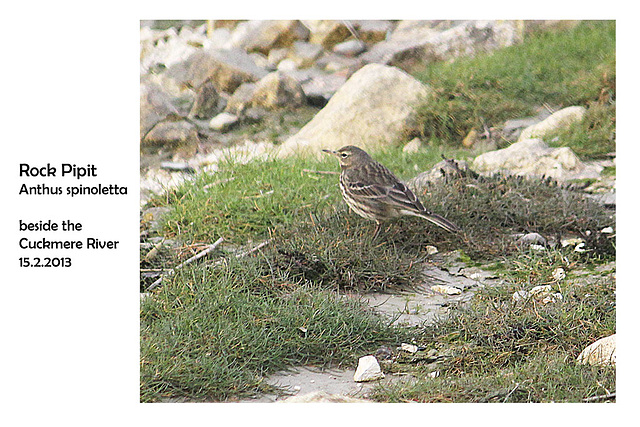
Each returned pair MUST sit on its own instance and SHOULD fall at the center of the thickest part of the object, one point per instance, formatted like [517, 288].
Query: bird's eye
[344, 155]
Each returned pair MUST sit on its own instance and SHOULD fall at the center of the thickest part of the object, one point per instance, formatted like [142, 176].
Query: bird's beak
[335, 153]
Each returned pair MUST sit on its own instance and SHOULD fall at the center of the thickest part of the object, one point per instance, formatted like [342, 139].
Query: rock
[558, 274]
[322, 87]
[208, 102]
[155, 106]
[241, 99]
[373, 31]
[350, 48]
[180, 137]
[375, 107]
[334, 62]
[540, 291]
[328, 33]
[512, 129]
[470, 139]
[441, 171]
[223, 122]
[446, 289]
[520, 296]
[227, 69]
[411, 348]
[368, 370]
[277, 55]
[162, 49]
[532, 157]
[601, 352]
[304, 54]
[271, 34]
[323, 397]
[571, 242]
[277, 90]
[422, 41]
[226, 23]
[559, 120]
[531, 239]
[219, 38]
[431, 250]
[552, 298]
[412, 146]
[287, 65]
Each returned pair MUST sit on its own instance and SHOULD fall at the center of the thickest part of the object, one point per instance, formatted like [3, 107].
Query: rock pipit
[373, 192]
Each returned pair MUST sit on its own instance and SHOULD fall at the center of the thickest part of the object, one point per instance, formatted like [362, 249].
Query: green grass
[241, 202]
[215, 333]
[575, 67]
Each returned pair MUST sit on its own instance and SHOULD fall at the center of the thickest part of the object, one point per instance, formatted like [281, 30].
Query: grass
[496, 349]
[575, 67]
[242, 202]
[215, 330]
[215, 333]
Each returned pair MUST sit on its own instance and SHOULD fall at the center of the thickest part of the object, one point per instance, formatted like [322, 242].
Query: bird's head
[350, 155]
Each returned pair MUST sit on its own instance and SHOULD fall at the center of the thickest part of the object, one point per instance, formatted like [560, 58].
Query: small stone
[559, 274]
[607, 230]
[446, 289]
[431, 250]
[520, 296]
[223, 122]
[580, 247]
[412, 146]
[368, 370]
[532, 239]
[601, 352]
[553, 298]
[571, 242]
[470, 139]
[411, 348]
[540, 291]
[350, 48]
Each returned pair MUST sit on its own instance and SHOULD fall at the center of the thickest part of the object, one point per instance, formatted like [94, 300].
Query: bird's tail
[440, 221]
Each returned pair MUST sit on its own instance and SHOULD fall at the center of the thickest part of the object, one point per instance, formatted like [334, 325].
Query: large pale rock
[532, 157]
[368, 370]
[601, 352]
[557, 121]
[376, 106]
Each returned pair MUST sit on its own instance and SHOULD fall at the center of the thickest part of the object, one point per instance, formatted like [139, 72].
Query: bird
[373, 191]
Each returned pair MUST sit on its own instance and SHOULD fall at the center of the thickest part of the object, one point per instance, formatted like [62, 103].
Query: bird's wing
[400, 195]
[368, 191]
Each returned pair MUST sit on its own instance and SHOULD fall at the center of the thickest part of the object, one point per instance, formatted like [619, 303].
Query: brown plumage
[373, 192]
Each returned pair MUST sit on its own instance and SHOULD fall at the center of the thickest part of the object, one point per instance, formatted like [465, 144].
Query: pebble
[447, 290]
[368, 370]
